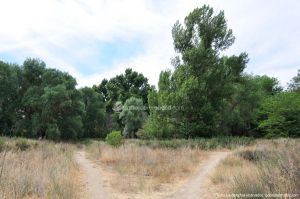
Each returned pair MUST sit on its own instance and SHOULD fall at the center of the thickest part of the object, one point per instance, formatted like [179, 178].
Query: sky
[97, 39]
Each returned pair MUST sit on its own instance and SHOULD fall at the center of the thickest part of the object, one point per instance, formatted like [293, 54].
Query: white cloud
[268, 30]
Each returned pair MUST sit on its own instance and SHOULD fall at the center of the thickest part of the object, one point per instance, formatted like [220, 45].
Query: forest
[206, 94]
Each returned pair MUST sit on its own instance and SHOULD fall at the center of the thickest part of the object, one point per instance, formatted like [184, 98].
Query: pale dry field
[141, 172]
[38, 169]
[43, 169]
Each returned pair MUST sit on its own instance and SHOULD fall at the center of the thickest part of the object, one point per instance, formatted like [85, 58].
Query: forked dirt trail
[94, 186]
[195, 187]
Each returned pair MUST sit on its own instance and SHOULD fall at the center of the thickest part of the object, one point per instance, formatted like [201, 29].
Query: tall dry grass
[37, 169]
[140, 168]
[271, 167]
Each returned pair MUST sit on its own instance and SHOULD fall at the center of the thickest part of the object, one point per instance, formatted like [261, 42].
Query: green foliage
[206, 95]
[117, 90]
[239, 112]
[63, 109]
[114, 138]
[45, 102]
[22, 144]
[202, 81]
[9, 99]
[268, 85]
[294, 85]
[122, 87]
[280, 115]
[52, 132]
[133, 116]
[94, 121]
[156, 127]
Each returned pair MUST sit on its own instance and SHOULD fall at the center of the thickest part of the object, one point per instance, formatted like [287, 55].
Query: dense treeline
[40, 102]
[207, 94]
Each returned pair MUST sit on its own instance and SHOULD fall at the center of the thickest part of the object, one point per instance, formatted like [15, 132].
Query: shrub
[22, 144]
[114, 138]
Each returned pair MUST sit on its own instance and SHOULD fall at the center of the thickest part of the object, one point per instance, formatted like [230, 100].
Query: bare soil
[95, 188]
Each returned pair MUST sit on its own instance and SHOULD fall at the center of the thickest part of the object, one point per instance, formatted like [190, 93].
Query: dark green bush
[115, 138]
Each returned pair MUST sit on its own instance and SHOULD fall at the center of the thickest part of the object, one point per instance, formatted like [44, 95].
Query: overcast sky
[96, 39]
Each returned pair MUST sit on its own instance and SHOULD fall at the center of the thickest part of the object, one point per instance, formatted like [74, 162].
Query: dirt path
[94, 185]
[195, 187]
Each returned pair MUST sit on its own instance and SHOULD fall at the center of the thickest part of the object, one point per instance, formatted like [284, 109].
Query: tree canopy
[206, 94]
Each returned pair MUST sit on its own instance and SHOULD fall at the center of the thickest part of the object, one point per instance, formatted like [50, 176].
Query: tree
[202, 78]
[117, 90]
[30, 107]
[239, 113]
[132, 116]
[280, 115]
[62, 109]
[50, 105]
[269, 85]
[122, 87]
[94, 118]
[9, 96]
[294, 85]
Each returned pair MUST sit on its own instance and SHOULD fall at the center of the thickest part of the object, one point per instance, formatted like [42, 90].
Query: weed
[115, 138]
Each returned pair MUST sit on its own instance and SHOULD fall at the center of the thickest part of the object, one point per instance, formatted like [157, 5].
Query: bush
[114, 138]
[22, 144]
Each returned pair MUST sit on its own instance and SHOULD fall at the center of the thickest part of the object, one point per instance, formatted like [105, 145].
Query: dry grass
[137, 170]
[271, 167]
[37, 169]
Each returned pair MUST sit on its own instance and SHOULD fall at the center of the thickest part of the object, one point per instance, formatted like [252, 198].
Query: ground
[42, 169]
